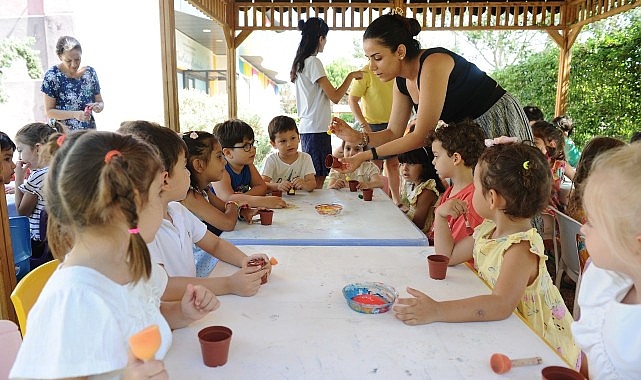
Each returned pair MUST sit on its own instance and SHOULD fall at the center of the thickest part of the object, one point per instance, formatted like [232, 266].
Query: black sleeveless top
[470, 92]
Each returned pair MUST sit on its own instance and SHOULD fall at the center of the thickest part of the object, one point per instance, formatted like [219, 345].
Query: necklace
[201, 192]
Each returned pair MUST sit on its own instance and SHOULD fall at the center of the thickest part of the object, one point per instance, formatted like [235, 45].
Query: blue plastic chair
[21, 244]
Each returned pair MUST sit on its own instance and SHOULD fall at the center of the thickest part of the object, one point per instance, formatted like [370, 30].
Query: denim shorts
[317, 145]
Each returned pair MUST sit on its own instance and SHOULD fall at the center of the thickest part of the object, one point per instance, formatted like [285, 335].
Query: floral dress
[541, 306]
[409, 197]
[72, 94]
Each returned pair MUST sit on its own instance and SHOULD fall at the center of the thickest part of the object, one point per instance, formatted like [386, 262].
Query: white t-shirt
[33, 185]
[174, 242]
[280, 171]
[609, 332]
[82, 322]
[314, 107]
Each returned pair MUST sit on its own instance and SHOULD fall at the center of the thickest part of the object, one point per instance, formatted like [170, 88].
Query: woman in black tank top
[436, 83]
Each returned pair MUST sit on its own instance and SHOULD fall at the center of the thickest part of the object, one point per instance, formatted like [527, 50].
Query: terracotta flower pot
[560, 373]
[266, 217]
[214, 344]
[277, 193]
[259, 262]
[437, 265]
[367, 194]
[353, 185]
[332, 162]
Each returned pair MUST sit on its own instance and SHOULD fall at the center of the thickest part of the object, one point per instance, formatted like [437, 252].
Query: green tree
[605, 79]
[501, 48]
[12, 50]
[337, 72]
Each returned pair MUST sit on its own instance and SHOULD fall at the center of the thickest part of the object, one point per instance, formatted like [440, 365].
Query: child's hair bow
[500, 140]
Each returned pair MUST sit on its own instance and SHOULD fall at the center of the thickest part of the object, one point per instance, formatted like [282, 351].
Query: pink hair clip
[60, 140]
[500, 140]
[111, 154]
[134, 231]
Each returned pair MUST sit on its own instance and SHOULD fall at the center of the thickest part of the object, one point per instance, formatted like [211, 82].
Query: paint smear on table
[369, 299]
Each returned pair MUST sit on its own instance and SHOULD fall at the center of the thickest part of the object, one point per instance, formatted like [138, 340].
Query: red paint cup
[367, 194]
[437, 266]
[214, 345]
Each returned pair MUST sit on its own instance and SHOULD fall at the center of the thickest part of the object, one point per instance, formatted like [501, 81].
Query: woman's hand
[350, 164]
[343, 131]
[81, 116]
[416, 311]
[97, 106]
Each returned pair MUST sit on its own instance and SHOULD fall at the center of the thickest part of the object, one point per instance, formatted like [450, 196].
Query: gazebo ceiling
[249, 15]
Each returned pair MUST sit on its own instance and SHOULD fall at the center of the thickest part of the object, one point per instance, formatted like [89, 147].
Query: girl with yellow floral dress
[512, 184]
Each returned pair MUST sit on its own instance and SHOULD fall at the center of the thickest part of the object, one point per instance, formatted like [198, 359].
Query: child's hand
[452, 207]
[263, 256]
[150, 369]
[416, 311]
[198, 301]
[298, 183]
[21, 170]
[248, 213]
[275, 202]
[246, 281]
[363, 185]
[285, 186]
[339, 184]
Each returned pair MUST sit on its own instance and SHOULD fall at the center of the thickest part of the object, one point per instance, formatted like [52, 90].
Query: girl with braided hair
[103, 194]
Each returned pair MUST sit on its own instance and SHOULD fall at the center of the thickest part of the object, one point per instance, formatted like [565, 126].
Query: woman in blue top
[71, 92]
[437, 83]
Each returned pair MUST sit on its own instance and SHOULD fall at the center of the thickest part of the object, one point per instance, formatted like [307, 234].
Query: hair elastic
[60, 140]
[134, 231]
[193, 135]
[109, 155]
[526, 165]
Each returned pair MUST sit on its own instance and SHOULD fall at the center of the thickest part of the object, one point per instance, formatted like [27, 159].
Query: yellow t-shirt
[376, 96]
[541, 305]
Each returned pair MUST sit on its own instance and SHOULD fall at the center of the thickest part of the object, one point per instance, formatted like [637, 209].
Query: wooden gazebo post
[169, 64]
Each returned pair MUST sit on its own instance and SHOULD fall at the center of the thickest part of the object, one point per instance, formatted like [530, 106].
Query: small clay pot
[332, 162]
[437, 265]
[266, 217]
[353, 185]
[214, 345]
[277, 193]
[367, 194]
[560, 373]
[259, 262]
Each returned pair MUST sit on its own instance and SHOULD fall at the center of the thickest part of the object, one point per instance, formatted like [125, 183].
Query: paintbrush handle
[526, 361]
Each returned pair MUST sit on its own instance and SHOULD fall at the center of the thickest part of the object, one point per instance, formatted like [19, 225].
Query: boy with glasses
[242, 183]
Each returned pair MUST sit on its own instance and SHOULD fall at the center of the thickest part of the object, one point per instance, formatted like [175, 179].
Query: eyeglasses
[246, 147]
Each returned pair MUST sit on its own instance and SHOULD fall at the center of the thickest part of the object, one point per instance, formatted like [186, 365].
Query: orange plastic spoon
[501, 363]
[145, 343]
